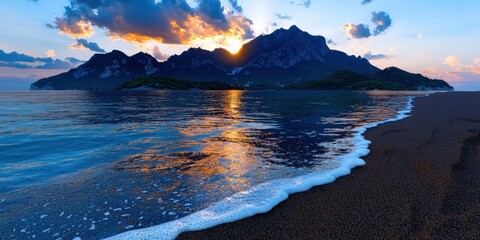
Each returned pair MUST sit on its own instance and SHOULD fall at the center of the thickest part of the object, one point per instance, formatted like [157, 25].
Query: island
[285, 59]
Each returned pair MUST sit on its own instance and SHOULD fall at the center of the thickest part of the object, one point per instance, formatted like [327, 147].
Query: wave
[264, 197]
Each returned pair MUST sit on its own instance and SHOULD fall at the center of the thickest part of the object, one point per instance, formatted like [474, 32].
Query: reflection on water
[151, 157]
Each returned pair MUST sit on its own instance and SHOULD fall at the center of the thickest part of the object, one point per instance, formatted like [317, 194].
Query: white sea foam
[265, 196]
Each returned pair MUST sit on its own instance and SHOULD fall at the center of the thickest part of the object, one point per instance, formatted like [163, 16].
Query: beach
[421, 180]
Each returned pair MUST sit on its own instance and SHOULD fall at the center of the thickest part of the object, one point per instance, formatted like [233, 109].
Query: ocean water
[97, 164]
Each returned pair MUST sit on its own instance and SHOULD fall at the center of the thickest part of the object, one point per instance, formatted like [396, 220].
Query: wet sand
[422, 180]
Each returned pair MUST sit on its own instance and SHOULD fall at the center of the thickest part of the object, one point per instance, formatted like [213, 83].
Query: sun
[233, 45]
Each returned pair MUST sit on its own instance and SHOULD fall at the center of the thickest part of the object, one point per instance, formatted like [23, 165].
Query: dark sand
[422, 180]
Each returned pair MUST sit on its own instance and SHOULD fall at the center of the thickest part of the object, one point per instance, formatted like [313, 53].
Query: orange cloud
[452, 61]
[74, 29]
[195, 29]
[435, 73]
[171, 22]
[475, 67]
[76, 46]
[50, 53]
[458, 73]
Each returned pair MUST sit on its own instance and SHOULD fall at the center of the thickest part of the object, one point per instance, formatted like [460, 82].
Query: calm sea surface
[95, 164]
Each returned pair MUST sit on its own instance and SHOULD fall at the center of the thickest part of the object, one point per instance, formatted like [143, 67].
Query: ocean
[152, 164]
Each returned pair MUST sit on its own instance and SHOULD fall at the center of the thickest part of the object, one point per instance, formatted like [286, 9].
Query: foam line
[264, 197]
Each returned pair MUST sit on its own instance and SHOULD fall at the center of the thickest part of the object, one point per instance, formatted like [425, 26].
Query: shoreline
[278, 191]
[422, 180]
[49, 208]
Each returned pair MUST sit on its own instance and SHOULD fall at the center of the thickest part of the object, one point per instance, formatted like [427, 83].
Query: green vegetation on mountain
[387, 79]
[174, 84]
[411, 81]
[348, 80]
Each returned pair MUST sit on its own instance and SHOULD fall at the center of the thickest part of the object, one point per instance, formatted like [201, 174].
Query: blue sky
[436, 38]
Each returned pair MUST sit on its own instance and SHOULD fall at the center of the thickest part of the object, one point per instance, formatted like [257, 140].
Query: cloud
[366, 1]
[20, 57]
[166, 21]
[236, 6]
[371, 56]
[461, 76]
[84, 44]
[212, 12]
[56, 64]
[50, 53]
[15, 57]
[14, 65]
[330, 41]
[419, 36]
[303, 3]
[382, 22]
[24, 61]
[159, 55]
[357, 31]
[74, 60]
[73, 27]
[283, 16]
[452, 61]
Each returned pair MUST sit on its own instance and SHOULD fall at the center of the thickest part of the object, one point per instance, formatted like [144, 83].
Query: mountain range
[286, 57]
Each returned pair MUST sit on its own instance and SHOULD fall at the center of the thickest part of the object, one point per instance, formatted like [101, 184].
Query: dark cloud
[283, 16]
[15, 57]
[236, 6]
[24, 61]
[167, 21]
[84, 44]
[366, 1]
[14, 65]
[371, 56]
[212, 12]
[74, 60]
[357, 31]
[382, 22]
[20, 57]
[303, 3]
[56, 64]
[330, 41]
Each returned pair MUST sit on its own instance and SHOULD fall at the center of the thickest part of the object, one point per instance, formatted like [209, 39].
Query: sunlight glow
[233, 45]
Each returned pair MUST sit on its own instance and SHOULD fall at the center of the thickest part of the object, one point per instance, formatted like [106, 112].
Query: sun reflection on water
[228, 153]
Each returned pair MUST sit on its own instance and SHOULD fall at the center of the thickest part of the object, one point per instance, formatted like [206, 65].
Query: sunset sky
[40, 38]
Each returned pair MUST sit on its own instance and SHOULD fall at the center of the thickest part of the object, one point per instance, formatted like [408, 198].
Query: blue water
[95, 164]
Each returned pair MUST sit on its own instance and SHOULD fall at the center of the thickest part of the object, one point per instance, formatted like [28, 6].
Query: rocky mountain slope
[282, 58]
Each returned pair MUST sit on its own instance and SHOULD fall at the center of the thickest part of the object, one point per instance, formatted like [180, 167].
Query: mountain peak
[101, 58]
[294, 28]
[279, 58]
[116, 53]
[141, 55]
[392, 68]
